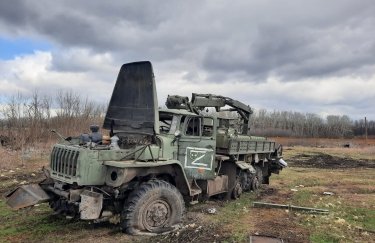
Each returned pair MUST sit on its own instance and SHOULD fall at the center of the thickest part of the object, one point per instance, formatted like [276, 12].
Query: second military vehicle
[156, 160]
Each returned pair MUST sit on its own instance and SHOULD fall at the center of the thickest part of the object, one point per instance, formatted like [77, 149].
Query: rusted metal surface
[26, 196]
[59, 192]
[75, 195]
[91, 205]
[217, 185]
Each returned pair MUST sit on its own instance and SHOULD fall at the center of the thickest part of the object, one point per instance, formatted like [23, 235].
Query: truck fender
[119, 173]
[245, 166]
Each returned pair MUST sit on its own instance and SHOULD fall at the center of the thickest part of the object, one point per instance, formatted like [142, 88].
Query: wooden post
[366, 129]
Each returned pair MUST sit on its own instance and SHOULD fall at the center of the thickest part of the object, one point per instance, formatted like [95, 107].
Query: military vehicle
[156, 160]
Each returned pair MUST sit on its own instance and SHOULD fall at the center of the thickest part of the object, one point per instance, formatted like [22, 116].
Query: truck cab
[193, 141]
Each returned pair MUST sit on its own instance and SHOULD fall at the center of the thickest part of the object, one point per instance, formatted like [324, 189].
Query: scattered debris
[115, 219]
[294, 190]
[190, 225]
[365, 231]
[340, 221]
[211, 210]
[198, 228]
[328, 193]
[33, 175]
[330, 205]
[289, 207]
[347, 145]
[11, 171]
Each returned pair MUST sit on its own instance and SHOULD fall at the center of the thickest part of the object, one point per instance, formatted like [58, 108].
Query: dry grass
[30, 157]
[352, 207]
[324, 142]
[367, 152]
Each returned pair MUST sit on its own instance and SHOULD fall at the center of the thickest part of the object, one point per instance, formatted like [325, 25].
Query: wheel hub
[156, 214]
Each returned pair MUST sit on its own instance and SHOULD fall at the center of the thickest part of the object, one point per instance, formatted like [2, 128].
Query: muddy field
[349, 179]
[326, 161]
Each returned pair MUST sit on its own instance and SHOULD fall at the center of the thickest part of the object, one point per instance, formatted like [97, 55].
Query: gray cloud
[291, 40]
[207, 41]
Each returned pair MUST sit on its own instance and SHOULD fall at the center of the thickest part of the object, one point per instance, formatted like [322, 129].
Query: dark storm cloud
[245, 40]
[293, 49]
[16, 13]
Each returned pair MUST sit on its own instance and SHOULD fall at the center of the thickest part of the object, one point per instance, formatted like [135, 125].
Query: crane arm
[201, 101]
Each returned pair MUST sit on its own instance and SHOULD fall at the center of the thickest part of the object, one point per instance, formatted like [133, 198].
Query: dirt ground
[326, 161]
[351, 180]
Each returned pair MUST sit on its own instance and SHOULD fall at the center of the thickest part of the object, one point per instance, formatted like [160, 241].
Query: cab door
[197, 145]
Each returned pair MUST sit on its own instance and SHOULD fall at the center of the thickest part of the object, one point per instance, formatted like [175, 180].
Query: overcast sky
[308, 56]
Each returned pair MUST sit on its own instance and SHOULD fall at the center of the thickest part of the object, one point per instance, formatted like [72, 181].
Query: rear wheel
[255, 183]
[237, 190]
[154, 207]
[259, 175]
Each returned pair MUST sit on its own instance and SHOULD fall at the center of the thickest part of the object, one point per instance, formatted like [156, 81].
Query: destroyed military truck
[156, 161]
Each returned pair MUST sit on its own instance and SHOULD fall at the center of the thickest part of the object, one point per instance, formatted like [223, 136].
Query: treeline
[297, 124]
[30, 119]
[26, 120]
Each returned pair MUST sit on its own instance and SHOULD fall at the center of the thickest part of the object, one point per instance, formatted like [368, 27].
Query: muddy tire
[255, 184]
[154, 207]
[259, 174]
[237, 190]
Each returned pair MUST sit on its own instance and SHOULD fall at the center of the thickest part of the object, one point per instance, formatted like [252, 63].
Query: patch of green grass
[33, 224]
[232, 213]
[363, 217]
[235, 208]
[308, 182]
[302, 198]
[4, 212]
[239, 236]
[324, 238]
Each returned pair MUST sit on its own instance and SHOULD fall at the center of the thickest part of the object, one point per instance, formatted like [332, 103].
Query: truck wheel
[259, 174]
[254, 184]
[154, 207]
[237, 190]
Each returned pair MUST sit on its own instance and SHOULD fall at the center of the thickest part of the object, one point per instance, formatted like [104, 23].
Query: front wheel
[155, 206]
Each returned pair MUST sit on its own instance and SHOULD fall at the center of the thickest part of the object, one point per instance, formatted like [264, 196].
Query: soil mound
[321, 160]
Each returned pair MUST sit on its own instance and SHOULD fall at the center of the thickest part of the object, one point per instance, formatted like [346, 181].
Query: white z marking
[192, 152]
[195, 162]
